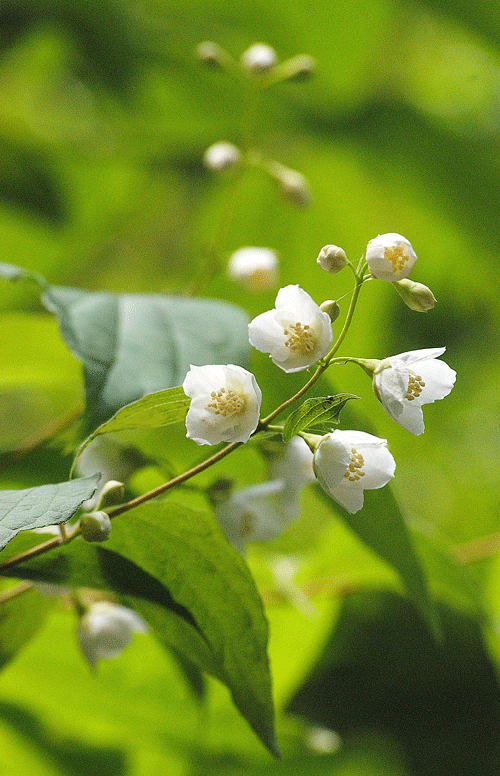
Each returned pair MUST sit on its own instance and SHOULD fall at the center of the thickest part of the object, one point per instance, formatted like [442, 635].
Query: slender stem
[13, 592]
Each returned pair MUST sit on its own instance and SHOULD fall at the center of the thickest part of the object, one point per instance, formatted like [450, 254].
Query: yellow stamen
[415, 385]
[354, 470]
[226, 402]
[398, 255]
[300, 338]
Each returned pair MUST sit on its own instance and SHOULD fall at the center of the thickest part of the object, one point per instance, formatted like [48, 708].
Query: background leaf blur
[104, 118]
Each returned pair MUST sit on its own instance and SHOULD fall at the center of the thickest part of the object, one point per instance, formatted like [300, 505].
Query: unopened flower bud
[259, 58]
[111, 494]
[298, 68]
[332, 259]
[106, 629]
[415, 295]
[254, 268]
[293, 184]
[221, 156]
[211, 54]
[95, 526]
[331, 308]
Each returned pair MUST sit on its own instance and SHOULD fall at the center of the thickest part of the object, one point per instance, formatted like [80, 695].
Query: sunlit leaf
[322, 411]
[155, 410]
[45, 505]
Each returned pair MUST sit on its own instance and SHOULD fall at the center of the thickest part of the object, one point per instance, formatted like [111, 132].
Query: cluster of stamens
[398, 255]
[226, 402]
[299, 338]
[354, 470]
[415, 385]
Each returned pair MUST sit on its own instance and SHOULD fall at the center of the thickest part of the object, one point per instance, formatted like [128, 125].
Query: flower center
[300, 338]
[226, 402]
[415, 385]
[355, 469]
[398, 255]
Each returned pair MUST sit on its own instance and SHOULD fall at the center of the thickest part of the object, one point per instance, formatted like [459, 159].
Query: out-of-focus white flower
[285, 568]
[323, 740]
[254, 268]
[293, 465]
[348, 462]
[255, 514]
[225, 404]
[259, 58]
[296, 333]
[221, 156]
[415, 295]
[405, 382]
[106, 629]
[332, 259]
[390, 257]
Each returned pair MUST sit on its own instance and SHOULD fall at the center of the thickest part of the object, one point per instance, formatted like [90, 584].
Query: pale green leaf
[322, 411]
[20, 619]
[155, 410]
[21, 510]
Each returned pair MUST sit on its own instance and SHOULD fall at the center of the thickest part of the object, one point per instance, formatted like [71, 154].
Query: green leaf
[21, 617]
[132, 345]
[21, 510]
[319, 411]
[162, 408]
[381, 525]
[175, 567]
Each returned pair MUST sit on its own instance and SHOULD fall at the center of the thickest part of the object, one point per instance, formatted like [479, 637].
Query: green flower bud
[332, 259]
[331, 307]
[95, 526]
[415, 295]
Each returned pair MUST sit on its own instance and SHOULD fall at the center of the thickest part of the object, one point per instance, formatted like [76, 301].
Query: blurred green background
[104, 117]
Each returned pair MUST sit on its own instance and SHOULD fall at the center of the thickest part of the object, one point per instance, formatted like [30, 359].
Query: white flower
[405, 382]
[296, 333]
[258, 58]
[254, 268]
[293, 465]
[348, 462]
[225, 404]
[221, 156]
[390, 257]
[106, 629]
[256, 514]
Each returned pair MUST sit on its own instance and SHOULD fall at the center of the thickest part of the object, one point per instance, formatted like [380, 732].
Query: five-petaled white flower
[296, 333]
[405, 382]
[225, 404]
[106, 629]
[390, 257]
[348, 462]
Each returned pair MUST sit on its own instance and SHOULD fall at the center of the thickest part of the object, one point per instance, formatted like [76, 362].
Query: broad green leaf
[20, 619]
[132, 345]
[176, 568]
[21, 510]
[322, 411]
[152, 411]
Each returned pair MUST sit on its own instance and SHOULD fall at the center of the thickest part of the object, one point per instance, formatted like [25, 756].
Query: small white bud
[106, 629]
[111, 494]
[95, 526]
[330, 307]
[415, 295]
[254, 268]
[332, 259]
[259, 58]
[221, 156]
[293, 184]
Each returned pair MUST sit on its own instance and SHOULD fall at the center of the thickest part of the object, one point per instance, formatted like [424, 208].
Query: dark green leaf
[45, 505]
[319, 411]
[175, 567]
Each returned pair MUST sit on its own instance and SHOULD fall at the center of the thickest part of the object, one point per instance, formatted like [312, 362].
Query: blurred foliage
[104, 117]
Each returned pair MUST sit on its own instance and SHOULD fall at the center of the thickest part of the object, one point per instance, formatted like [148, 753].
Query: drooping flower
[405, 382]
[225, 404]
[255, 268]
[255, 514]
[296, 334]
[390, 257]
[348, 462]
[106, 629]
